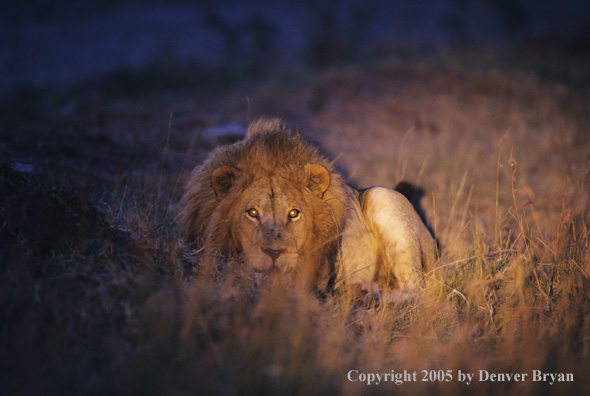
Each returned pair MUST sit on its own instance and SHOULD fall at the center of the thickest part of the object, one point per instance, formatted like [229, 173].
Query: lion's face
[272, 225]
[270, 217]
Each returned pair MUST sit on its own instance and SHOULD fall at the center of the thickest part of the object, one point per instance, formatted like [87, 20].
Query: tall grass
[515, 303]
[514, 300]
[131, 311]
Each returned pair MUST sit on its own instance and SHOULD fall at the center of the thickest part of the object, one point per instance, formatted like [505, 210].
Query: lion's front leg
[397, 226]
[358, 258]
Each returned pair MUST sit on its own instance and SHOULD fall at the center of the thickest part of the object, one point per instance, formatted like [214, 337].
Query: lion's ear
[222, 179]
[318, 179]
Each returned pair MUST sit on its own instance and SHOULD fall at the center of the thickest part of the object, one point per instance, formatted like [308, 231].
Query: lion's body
[272, 201]
[384, 243]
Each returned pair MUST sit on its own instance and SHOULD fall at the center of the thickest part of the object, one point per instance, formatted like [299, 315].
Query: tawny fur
[385, 244]
[373, 239]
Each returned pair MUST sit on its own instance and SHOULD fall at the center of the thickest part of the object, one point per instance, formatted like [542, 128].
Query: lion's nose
[273, 253]
[274, 232]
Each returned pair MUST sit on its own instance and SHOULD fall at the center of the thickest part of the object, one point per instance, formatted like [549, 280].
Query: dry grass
[502, 158]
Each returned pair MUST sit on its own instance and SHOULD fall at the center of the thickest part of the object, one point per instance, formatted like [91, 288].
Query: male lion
[272, 201]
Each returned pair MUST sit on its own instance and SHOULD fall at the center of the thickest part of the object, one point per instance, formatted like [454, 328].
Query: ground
[99, 294]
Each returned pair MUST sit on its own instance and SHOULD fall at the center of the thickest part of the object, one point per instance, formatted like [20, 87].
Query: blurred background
[46, 44]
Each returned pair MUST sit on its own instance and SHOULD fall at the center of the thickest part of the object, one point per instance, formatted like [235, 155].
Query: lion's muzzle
[273, 253]
[273, 232]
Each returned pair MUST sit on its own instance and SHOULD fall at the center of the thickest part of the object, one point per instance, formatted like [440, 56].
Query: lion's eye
[294, 214]
[253, 212]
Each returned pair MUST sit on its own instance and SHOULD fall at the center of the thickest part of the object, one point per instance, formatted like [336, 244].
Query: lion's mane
[269, 150]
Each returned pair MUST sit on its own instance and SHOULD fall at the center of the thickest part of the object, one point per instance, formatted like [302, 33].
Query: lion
[272, 202]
